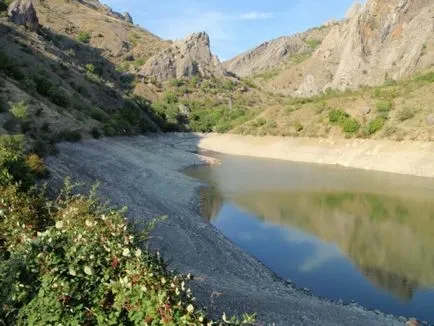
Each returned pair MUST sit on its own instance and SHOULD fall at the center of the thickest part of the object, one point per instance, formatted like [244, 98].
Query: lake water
[343, 233]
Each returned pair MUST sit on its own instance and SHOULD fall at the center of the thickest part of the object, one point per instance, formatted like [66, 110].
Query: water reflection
[382, 224]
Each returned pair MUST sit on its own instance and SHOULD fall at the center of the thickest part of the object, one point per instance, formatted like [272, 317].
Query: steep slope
[108, 31]
[380, 41]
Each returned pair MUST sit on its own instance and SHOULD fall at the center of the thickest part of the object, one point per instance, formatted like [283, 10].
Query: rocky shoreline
[143, 173]
[414, 158]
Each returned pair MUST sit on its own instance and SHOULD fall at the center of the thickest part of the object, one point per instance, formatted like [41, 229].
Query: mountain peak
[185, 58]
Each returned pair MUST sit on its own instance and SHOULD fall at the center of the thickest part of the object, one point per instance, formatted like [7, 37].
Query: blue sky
[234, 26]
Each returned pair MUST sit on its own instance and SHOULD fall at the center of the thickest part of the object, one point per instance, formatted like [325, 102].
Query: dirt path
[143, 174]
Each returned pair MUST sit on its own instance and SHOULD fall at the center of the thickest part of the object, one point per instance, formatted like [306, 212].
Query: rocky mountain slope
[379, 41]
[77, 68]
[185, 59]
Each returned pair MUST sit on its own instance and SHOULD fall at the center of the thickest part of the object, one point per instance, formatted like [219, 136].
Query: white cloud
[255, 15]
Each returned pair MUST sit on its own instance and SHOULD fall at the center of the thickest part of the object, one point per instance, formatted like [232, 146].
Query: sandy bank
[144, 174]
[407, 157]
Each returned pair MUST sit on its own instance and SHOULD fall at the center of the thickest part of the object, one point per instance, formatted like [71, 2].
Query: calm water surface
[343, 233]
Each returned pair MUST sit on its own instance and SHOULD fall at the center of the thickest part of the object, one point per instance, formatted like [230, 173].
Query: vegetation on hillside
[397, 110]
[74, 261]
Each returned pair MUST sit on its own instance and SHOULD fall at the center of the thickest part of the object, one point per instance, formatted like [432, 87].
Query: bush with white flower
[72, 261]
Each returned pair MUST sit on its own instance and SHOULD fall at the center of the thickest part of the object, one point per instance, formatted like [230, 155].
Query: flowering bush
[72, 261]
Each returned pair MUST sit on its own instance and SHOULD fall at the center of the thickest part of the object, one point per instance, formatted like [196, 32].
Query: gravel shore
[143, 173]
[407, 157]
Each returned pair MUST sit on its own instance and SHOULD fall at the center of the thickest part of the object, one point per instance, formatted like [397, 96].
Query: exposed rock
[128, 18]
[430, 120]
[22, 12]
[355, 10]
[308, 88]
[366, 110]
[382, 37]
[185, 58]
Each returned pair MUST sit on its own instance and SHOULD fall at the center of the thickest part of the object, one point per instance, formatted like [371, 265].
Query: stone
[128, 18]
[22, 12]
[430, 120]
[366, 110]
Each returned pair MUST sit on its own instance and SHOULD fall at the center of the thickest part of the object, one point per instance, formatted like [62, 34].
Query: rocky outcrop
[382, 40]
[308, 88]
[186, 58]
[128, 18]
[22, 12]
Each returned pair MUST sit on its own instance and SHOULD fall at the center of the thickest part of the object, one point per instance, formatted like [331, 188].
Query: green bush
[13, 162]
[75, 262]
[428, 77]
[259, 122]
[351, 126]
[83, 37]
[10, 67]
[338, 116]
[376, 125]
[69, 136]
[95, 133]
[20, 110]
[59, 96]
[384, 106]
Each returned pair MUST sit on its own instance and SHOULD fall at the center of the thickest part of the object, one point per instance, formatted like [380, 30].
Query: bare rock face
[186, 58]
[128, 18]
[308, 88]
[385, 37]
[22, 12]
[382, 39]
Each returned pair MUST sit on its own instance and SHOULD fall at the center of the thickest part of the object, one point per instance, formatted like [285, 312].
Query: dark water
[343, 233]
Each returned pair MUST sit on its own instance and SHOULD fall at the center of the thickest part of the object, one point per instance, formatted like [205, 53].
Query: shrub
[75, 262]
[95, 133]
[406, 114]
[298, 126]
[98, 114]
[351, 126]
[10, 67]
[83, 37]
[428, 77]
[59, 96]
[13, 167]
[69, 136]
[90, 67]
[259, 122]
[36, 165]
[376, 125]
[384, 106]
[19, 110]
[43, 84]
[338, 116]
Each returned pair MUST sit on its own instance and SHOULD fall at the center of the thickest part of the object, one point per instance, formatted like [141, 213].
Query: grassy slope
[404, 105]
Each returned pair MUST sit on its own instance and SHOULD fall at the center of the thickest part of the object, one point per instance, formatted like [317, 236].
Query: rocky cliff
[183, 59]
[381, 40]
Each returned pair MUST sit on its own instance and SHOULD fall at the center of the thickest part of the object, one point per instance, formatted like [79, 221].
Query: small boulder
[430, 120]
[366, 110]
[22, 12]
